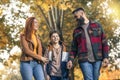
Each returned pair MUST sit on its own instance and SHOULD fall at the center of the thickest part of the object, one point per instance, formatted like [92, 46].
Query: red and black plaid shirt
[98, 42]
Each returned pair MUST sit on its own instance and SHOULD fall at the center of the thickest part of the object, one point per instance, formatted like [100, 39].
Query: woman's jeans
[28, 69]
[90, 70]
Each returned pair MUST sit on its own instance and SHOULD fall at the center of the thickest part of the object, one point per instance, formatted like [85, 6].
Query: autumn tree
[57, 15]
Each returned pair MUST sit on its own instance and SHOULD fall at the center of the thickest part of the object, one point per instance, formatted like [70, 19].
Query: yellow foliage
[44, 27]
[78, 74]
[45, 6]
[40, 33]
[39, 2]
[63, 6]
[49, 2]
[69, 4]
[0, 11]
[3, 39]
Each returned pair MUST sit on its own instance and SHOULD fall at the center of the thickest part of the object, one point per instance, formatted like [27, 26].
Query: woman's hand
[44, 60]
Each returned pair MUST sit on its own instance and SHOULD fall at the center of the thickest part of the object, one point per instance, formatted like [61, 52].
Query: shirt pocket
[95, 31]
[78, 34]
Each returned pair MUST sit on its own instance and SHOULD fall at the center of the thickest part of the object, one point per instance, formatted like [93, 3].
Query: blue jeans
[90, 70]
[28, 69]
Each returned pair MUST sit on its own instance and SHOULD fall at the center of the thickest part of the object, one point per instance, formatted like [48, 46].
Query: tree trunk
[55, 19]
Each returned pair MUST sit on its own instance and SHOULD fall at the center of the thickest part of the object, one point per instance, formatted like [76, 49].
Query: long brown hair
[29, 28]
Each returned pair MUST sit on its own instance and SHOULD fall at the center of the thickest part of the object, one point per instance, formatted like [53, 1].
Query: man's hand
[69, 64]
[105, 62]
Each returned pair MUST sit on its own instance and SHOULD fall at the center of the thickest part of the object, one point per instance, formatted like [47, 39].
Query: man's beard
[80, 20]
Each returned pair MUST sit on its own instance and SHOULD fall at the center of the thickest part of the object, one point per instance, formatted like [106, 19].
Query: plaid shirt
[98, 42]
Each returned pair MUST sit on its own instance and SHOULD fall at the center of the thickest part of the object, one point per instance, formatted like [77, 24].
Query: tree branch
[44, 16]
[53, 16]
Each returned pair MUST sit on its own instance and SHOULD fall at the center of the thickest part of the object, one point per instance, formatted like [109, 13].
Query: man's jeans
[32, 68]
[90, 70]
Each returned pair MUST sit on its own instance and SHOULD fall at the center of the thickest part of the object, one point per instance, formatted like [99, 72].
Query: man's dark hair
[77, 10]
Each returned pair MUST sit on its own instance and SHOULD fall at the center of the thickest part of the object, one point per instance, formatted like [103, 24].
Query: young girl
[56, 53]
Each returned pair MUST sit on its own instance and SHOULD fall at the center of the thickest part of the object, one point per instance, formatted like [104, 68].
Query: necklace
[57, 49]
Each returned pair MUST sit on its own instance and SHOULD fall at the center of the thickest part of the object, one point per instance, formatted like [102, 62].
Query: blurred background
[56, 15]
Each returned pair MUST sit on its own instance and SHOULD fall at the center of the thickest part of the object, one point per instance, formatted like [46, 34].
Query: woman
[31, 58]
[58, 57]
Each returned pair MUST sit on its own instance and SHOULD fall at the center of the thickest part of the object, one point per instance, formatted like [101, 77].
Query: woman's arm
[26, 50]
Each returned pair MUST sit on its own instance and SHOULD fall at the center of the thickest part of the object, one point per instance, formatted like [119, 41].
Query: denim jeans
[90, 70]
[28, 69]
[64, 70]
